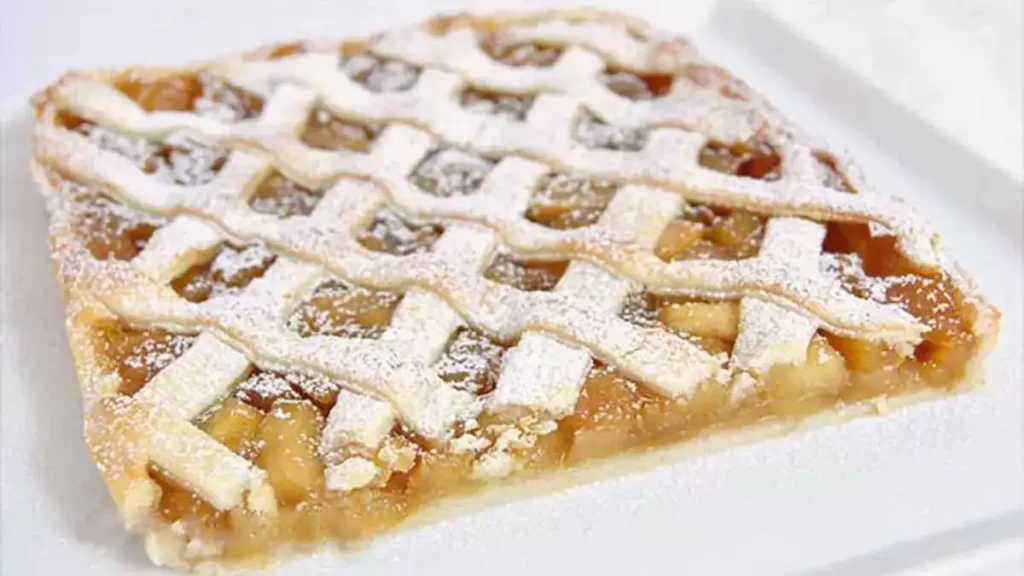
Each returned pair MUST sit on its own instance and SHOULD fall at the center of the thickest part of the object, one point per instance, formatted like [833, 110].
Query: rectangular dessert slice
[318, 291]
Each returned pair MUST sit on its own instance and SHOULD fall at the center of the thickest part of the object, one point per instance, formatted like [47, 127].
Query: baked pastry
[317, 291]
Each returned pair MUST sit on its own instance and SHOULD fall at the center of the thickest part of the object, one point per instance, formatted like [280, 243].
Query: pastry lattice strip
[205, 373]
[574, 74]
[421, 327]
[769, 334]
[544, 375]
[239, 174]
[507, 312]
[801, 288]
[668, 160]
[209, 369]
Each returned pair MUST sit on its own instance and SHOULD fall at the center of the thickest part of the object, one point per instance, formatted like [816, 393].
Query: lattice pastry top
[580, 138]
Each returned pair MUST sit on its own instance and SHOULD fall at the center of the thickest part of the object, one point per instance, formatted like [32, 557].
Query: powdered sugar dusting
[179, 159]
[152, 356]
[224, 103]
[111, 229]
[202, 375]
[140, 151]
[230, 264]
[230, 270]
[339, 309]
[594, 133]
[188, 162]
[768, 333]
[525, 275]
[261, 389]
[388, 232]
[564, 201]
[850, 269]
[451, 172]
[380, 75]
[284, 197]
[471, 362]
[509, 106]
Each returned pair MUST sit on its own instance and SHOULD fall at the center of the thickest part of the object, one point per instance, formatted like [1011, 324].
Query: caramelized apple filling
[840, 367]
[279, 429]
[705, 232]
[288, 440]
[711, 325]
[614, 414]
[186, 162]
[199, 93]
[389, 233]
[451, 172]
[339, 309]
[606, 417]
[518, 54]
[508, 106]
[528, 275]
[636, 86]
[109, 229]
[596, 133]
[283, 441]
[172, 93]
[471, 362]
[328, 132]
[380, 74]
[234, 423]
[837, 368]
[563, 201]
[282, 196]
[178, 159]
[798, 390]
[749, 159]
[139, 355]
[229, 271]
[719, 233]
[179, 504]
[872, 267]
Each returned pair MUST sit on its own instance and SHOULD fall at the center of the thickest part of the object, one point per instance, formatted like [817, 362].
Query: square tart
[315, 292]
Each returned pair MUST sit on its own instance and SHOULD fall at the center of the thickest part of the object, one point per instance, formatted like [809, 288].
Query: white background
[855, 497]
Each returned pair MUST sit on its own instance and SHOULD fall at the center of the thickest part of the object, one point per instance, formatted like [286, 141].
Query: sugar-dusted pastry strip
[543, 375]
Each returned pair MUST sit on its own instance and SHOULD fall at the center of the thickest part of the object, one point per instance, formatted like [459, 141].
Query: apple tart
[316, 291]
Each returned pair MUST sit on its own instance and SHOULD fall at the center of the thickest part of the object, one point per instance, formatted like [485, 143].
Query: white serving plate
[934, 488]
